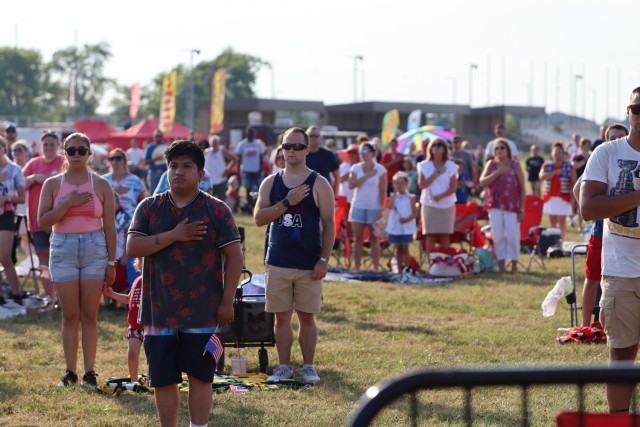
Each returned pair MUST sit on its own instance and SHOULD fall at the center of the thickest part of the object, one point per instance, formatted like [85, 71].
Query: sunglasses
[634, 108]
[501, 147]
[295, 147]
[314, 135]
[280, 158]
[18, 150]
[365, 151]
[439, 145]
[115, 158]
[71, 151]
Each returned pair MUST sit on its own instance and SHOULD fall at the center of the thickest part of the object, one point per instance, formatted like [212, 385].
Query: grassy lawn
[368, 332]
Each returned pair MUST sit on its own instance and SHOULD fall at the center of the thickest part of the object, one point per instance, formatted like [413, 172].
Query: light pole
[273, 80]
[355, 76]
[575, 93]
[453, 87]
[190, 97]
[471, 68]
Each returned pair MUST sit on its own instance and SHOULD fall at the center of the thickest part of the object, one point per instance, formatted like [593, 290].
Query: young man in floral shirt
[185, 237]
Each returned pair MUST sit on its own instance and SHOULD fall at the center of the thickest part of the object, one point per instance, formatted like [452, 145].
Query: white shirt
[367, 196]
[215, 164]
[135, 156]
[621, 235]
[344, 189]
[251, 153]
[439, 185]
[402, 208]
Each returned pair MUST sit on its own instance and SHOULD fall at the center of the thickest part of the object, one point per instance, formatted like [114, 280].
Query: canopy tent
[96, 130]
[145, 130]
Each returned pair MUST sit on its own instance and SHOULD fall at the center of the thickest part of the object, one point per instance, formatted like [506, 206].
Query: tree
[89, 62]
[21, 81]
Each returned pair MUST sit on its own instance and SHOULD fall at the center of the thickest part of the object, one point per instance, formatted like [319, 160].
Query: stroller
[252, 326]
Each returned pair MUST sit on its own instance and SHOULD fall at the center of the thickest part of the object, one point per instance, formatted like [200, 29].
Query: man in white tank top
[217, 162]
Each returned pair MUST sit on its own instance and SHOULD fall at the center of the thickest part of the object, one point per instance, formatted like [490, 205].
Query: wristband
[112, 263]
[323, 259]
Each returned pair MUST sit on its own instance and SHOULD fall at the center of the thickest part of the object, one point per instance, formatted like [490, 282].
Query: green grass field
[368, 332]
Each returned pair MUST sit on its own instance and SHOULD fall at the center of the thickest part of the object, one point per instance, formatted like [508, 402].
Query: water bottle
[394, 265]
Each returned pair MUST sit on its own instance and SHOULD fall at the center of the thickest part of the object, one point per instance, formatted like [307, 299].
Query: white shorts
[558, 206]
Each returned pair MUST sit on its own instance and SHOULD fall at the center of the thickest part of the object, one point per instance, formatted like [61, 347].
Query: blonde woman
[438, 180]
[80, 207]
[504, 200]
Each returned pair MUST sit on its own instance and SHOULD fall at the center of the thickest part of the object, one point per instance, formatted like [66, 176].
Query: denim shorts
[400, 239]
[78, 256]
[364, 216]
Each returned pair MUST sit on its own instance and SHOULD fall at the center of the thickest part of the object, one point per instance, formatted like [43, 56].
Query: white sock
[191, 424]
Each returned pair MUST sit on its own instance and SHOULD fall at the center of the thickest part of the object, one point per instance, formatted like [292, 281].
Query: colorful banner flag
[218, 88]
[134, 100]
[390, 124]
[413, 122]
[168, 102]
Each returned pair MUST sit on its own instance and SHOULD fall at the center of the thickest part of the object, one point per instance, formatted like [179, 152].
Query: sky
[574, 56]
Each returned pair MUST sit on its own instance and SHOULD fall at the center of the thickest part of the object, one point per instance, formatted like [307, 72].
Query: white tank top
[214, 164]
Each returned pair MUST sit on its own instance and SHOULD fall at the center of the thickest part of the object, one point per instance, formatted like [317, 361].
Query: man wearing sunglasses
[609, 191]
[294, 202]
[322, 160]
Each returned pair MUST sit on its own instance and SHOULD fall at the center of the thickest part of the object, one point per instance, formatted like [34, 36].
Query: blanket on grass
[342, 275]
[242, 383]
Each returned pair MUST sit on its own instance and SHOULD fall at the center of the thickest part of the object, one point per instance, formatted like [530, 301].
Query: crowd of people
[88, 228]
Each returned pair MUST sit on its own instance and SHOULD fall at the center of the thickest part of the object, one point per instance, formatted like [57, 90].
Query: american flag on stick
[214, 346]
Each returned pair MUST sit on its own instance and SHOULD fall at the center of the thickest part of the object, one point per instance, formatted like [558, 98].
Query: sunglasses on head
[295, 147]
[115, 158]
[634, 108]
[71, 151]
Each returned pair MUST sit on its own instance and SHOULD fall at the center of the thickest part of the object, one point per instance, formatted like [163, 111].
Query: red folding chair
[342, 245]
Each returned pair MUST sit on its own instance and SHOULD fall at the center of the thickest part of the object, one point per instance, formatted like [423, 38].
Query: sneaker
[282, 372]
[309, 374]
[69, 378]
[407, 270]
[2, 301]
[89, 378]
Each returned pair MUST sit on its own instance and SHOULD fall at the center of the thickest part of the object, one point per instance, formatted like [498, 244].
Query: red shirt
[39, 166]
[388, 157]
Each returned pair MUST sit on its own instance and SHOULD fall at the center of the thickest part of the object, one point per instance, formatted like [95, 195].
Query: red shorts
[593, 267]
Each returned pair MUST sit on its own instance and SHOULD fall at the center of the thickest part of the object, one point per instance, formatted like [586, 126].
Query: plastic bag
[562, 288]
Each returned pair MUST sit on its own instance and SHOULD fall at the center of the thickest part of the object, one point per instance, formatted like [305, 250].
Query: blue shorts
[168, 356]
[41, 240]
[400, 239]
[365, 216]
[78, 256]
[251, 180]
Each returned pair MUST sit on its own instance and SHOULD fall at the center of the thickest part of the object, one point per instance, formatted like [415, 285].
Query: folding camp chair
[530, 230]
[342, 244]
[466, 231]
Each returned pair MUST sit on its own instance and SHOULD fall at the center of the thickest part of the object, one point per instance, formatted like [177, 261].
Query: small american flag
[214, 346]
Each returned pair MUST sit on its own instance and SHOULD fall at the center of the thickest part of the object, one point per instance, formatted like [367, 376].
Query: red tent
[96, 130]
[145, 130]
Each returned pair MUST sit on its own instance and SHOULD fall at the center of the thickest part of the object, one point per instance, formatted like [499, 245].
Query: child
[232, 193]
[135, 332]
[401, 224]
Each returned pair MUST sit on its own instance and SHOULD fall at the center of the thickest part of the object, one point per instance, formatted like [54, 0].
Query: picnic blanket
[242, 383]
[342, 275]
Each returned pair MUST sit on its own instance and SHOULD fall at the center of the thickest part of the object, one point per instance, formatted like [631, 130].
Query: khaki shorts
[292, 289]
[620, 311]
